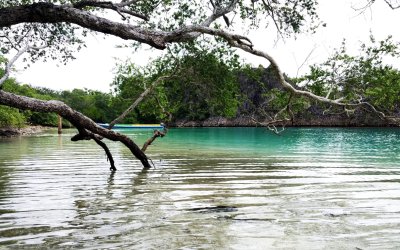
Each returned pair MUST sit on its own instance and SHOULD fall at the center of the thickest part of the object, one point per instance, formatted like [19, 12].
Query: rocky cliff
[253, 91]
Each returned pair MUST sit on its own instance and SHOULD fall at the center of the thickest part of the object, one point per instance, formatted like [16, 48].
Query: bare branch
[272, 124]
[305, 60]
[272, 13]
[363, 8]
[393, 6]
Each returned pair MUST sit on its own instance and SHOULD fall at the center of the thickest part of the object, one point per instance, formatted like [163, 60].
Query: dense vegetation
[97, 105]
[203, 83]
[365, 76]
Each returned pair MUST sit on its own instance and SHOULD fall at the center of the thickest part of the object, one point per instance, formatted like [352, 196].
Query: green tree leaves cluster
[11, 117]
[200, 84]
[26, 116]
[362, 77]
[95, 104]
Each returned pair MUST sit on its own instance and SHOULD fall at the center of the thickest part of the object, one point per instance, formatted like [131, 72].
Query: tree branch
[77, 119]
[391, 5]
[156, 134]
[245, 44]
[51, 13]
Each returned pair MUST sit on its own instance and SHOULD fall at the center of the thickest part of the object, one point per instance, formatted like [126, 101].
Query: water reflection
[312, 189]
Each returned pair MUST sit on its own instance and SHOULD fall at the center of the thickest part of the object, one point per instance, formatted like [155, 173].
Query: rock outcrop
[253, 92]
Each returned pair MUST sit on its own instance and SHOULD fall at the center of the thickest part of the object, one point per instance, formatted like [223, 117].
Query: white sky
[94, 65]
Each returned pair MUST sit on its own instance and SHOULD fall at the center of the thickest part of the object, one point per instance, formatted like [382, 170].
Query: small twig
[305, 60]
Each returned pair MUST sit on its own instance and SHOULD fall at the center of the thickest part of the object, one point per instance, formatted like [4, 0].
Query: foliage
[32, 117]
[203, 80]
[94, 104]
[97, 105]
[277, 100]
[62, 39]
[363, 77]
[11, 117]
[200, 84]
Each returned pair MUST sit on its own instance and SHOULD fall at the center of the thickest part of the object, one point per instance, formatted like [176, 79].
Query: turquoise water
[212, 188]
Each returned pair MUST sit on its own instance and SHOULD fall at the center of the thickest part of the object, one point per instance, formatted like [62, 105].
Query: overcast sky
[94, 65]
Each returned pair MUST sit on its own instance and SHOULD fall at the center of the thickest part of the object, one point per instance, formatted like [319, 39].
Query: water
[212, 188]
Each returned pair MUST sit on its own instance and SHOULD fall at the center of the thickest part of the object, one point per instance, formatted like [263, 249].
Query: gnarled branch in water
[156, 134]
[76, 118]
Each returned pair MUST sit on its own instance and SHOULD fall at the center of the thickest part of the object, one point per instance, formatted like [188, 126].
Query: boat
[133, 126]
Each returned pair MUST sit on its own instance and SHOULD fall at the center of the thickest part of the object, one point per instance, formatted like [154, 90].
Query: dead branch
[305, 60]
[156, 133]
[271, 125]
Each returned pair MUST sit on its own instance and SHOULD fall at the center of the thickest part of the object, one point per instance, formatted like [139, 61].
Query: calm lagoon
[212, 188]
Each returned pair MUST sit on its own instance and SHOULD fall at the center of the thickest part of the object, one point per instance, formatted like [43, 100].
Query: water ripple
[310, 189]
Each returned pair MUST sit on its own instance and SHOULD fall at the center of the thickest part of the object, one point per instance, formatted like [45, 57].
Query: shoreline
[9, 132]
[305, 121]
[24, 131]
